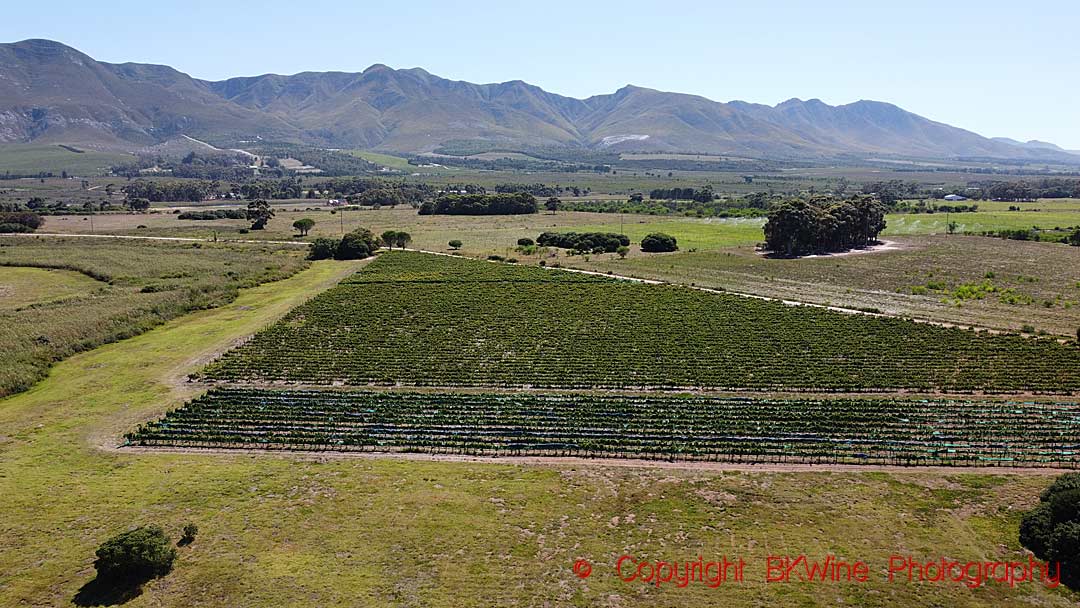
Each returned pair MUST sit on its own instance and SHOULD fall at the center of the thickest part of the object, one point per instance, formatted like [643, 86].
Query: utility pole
[341, 213]
[91, 223]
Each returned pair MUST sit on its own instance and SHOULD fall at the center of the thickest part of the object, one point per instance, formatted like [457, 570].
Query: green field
[293, 531]
[122, 289]
[1034, 284]
[21, 287]
[422, 319]
[31, 159]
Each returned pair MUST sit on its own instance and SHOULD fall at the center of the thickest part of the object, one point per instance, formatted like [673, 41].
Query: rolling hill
[52, 93]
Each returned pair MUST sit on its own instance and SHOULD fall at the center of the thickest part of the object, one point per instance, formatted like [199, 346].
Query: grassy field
[1036, 284]
[135, 286]
[21, 287]
[292, 531]
[31, 159]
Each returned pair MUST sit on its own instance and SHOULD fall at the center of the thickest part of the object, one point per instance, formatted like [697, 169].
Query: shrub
[29, 219]
[525, 242]
[622, 251]
[190, 530]
[356, 245]
[596, 242]
[1052, 529]
[12, 228]
[322, 248]
[455, 244]
[658, 242]
[137, 555]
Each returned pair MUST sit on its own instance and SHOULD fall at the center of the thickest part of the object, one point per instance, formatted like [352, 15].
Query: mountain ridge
[50, 92]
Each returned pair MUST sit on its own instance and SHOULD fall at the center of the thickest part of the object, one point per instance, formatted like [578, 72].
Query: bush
[190, 530]
[455, 244]
[137, 555]
[596, 242]
[1052, 529]
[357, 245]
[29, 219]
[526, 242]
[658, 242]
[322, 248]
[12, 228]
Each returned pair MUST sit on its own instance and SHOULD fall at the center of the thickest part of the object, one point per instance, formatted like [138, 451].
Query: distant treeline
[159, 191]
[214, 214]
[509, 164]
[823, 225]
[702, 195]
[541, 190]
[893, 191]
[481, 204]
[595, 242]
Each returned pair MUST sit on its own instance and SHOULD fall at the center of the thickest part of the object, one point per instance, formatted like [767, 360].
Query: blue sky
[997, 68]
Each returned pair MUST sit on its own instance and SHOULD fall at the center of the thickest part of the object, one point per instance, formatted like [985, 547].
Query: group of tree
[214, 214]
[481, 204]
[823, 225]
[395, 238]
[540, 190]
[159, 191]
[595, 242]
[658, 242]
[1052, 530]
[20, 221]
[356, 245]
[702, 195]
[276, 189]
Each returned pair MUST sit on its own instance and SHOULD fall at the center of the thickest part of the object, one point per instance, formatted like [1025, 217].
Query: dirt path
[564, 462]
[156, 238]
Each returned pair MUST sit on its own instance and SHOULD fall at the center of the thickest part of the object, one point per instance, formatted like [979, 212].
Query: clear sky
[997, 68]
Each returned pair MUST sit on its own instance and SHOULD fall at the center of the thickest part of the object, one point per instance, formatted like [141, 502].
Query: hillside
[51, 93]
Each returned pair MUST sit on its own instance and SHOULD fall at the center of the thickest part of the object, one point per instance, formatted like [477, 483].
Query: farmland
[59, 296]
[427, 320]
[284, 530]
[748, 430]
[1033, 284]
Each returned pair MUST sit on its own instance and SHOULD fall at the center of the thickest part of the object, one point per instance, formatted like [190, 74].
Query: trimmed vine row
[859, 431]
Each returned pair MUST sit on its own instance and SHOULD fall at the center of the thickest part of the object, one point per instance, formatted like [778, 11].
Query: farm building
[955, 197]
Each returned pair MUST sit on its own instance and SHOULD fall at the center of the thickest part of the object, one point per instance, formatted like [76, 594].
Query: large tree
[259, 213]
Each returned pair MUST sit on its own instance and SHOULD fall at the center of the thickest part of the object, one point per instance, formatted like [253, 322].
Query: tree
[1052, 529]
[389, 238]
[135, 556]
[622, 251]
[525, 242]
[322, 248]
[259, 213]
[356, 245]
[138, 204]
[402, 239]
[553, 204]
[658, 242]
[455, 244]
[304, 225]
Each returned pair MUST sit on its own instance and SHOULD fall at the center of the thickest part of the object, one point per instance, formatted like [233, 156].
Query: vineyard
[864, 431]
[423, 320]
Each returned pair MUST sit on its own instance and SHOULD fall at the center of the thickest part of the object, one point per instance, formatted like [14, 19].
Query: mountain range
[52, 93]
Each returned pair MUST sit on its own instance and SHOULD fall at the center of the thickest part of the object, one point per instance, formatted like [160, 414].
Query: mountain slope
[53, 93]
